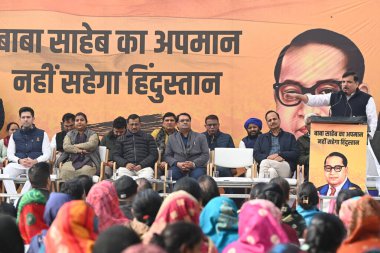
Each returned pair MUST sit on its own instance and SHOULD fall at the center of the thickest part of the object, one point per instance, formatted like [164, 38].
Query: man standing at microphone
[349, 102]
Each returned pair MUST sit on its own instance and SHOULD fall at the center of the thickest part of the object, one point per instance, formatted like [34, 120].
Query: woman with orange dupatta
[364, 230]
[103, 198]
[178, 206]
[73, 230]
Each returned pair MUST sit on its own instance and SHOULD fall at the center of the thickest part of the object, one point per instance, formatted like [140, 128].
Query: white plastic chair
[103, 152]
[234, 158]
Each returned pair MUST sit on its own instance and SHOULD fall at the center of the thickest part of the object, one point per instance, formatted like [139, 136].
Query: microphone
[349, 106]
[341, 94]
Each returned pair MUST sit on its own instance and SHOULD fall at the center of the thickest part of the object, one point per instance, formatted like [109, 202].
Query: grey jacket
[196, 151]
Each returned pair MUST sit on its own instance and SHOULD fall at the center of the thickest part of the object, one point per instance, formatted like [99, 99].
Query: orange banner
[229, 58]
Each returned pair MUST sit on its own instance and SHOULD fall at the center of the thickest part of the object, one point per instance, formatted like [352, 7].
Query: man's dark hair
[39, 175]
[256, 190]
[115, 239]
[74, 188]
[26, 109]
[86, 182]
[345, 194]
[209, 188]
[143, 184]
[307, 195]
[273, 193]
[81, 114]
[68, 116]
[212, 117]
[351, 73]
[133, 116]
[345, 162]
[119, 122]
[284, 184]
[270, 111]
[355, 59]
[168, 115]
[146, 205]
[10, 124]
[189, 185]
[183, 114]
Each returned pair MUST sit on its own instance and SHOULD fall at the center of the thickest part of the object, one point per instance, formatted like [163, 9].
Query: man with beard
[119, 127]
[313, 63]
[253, 127]
[349, 102]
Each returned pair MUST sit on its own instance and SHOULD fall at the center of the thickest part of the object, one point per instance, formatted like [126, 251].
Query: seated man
[119, 127]
[26, 147]
[30, 208]
[161, 135]
[187, 151]
[57, 140]
[276, 151]
[218, 139]
[253, 127]
[135, 151]
[303, 143]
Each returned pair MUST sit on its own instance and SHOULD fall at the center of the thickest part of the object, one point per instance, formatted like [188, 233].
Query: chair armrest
[102, 171]
[254, 170]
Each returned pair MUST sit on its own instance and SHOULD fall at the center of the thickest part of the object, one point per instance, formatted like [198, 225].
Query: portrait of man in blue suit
[336, 175]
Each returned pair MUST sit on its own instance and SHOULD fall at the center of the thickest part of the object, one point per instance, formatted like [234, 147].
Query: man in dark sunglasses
[336, 175]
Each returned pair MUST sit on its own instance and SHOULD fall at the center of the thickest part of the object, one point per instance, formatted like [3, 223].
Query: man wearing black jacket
[276, 151]
[135, 151]
[349, 102]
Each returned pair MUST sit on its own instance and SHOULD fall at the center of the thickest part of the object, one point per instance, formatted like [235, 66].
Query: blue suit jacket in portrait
[347, 185]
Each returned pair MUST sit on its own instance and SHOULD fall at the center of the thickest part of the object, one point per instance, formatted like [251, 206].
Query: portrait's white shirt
[337, 189]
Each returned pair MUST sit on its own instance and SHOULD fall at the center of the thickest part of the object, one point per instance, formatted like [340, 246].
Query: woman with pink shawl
[259, 228]
[103, 198]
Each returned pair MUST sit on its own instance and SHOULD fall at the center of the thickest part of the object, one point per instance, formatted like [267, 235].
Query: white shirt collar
[337, 189]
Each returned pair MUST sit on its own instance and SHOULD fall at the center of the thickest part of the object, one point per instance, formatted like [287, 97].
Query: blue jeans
[194, 173]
